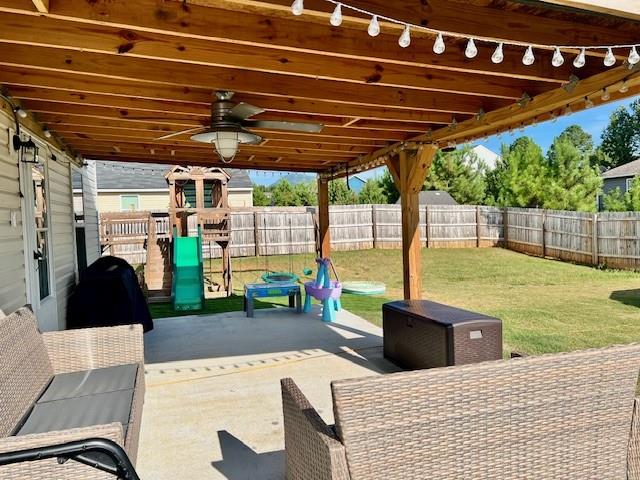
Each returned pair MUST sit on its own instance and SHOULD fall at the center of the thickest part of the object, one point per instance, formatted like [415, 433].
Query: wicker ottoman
[422, 334]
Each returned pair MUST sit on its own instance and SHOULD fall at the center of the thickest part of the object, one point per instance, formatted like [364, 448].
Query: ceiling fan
[228, 122]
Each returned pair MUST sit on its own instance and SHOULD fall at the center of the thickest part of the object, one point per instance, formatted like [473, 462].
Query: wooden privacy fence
[611, 239]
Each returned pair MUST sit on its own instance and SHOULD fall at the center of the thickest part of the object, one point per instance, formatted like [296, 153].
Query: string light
[605, 95]
[528, 58]
[374, 27]
[498, 56]
[588, 103]
[471, 51]
[297, 7]
[336, 16]
[624, 88]
[567, 110]
[580, 59]
[405, 39]
[557, 59]
[438, 45]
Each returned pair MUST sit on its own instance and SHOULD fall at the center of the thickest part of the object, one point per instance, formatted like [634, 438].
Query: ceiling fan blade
[243, 111]
[293, 126]
[175, 134]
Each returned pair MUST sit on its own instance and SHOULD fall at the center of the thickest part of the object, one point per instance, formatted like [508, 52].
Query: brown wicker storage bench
[424, 334]
[58, 387]
[553, 417]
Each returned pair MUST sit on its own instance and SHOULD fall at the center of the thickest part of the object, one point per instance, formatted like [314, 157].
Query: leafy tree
[339, 193]
[633, 195]
[282, 193]
[573, 184]
[576, 136]
[460, 173]
[614, 201]
[305, 194]
[372, 193]
[260, 198]
[520, 178]
[621, 138]
[389, 187]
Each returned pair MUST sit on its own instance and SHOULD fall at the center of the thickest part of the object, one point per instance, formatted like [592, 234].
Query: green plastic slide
[187, 290]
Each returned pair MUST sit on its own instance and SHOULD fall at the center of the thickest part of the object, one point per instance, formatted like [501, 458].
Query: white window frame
[628, 182]
[130, 195]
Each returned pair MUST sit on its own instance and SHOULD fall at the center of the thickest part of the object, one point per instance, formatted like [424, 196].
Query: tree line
[566, 177]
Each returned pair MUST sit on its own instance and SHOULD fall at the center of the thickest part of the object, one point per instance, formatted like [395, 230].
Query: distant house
[486, 156]
[142, 186]
[435, 197]
[620, 177]
[356, 183]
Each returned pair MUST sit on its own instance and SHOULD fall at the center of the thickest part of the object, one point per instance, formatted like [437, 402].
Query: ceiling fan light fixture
[226, 140]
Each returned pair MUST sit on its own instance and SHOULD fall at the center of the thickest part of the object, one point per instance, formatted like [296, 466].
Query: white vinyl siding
[89, 192]
[12, 270]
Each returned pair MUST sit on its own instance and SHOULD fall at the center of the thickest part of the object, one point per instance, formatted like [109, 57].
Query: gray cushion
[79, 412]
[90, 382]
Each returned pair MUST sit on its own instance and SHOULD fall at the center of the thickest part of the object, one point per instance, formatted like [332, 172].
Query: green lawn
[546, 306]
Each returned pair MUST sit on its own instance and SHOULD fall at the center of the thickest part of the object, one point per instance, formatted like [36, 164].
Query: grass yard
[546, 306]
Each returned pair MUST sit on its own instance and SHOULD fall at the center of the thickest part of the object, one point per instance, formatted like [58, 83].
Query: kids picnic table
[264, 290]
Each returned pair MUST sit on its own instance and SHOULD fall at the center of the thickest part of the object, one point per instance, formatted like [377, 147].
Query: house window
[41, 217]
[129, 203]
[629, 182]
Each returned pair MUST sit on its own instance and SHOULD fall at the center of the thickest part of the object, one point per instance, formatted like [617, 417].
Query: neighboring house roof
[488, 157]
[356, 183]
[630, 169]
[149, 176]
[435, 197]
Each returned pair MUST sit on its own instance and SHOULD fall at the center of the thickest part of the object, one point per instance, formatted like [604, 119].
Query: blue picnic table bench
[264, 290]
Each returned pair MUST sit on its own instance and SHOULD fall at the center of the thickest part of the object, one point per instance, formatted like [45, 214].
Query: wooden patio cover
[107, 77]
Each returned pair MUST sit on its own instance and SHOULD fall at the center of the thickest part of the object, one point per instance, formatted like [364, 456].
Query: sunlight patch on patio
[213, 406]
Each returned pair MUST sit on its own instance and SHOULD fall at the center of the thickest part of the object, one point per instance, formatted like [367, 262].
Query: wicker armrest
[51, 468]
[633, 457]
[311, 448]
[88, 348]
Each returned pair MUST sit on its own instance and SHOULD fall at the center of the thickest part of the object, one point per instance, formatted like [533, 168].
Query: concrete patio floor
[213, 407]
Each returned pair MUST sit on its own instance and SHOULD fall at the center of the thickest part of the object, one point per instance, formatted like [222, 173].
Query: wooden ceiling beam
[271, 104]
[29, 30]
[291, 34]
[214, 78]
[619, 8]
[41, 5]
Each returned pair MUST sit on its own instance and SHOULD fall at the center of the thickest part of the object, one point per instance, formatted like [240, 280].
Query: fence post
[594, 238]
[543, 240]
[256, 232]
[477, 226]
[505, 226]
[426, 221]
[374, 224]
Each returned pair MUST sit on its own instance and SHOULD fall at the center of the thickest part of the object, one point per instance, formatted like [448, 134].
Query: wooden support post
[324, 234]
[594, 238]
[410, 172]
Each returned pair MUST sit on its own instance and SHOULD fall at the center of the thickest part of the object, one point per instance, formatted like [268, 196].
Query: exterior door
[37, 236]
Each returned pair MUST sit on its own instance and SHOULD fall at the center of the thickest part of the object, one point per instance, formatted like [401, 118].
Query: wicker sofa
[551, 417]
[57, 387]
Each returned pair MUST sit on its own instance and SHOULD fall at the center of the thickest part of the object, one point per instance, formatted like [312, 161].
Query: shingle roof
[630, 169]
[435, 197]
[149, 176]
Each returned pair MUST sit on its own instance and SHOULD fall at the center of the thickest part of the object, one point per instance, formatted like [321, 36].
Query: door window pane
[78, 198]
[42, 257]
[39, 195]
[129, 203]
[41, 248]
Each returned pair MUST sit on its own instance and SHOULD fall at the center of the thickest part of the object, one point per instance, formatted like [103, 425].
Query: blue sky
[593, 121]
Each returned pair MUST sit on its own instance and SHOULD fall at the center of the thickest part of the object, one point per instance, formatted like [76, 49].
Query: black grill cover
[108, 294]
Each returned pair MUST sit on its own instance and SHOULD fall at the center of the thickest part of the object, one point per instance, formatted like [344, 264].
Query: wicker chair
[567, 416]
[29, 361]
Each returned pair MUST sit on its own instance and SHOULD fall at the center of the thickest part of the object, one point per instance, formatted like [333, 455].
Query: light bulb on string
[336, 16]
[605, 95]
[297, 7]
[374, 27]
[557, 59]
[609, 58]
[528, 58]
[405, 39]
[498, 55]
[580, 60]
[633, 56]
[567, 110]
[624, 88]
[471, 51]
[438, 45]
[521, 129]
[554, 117]
[588, 103]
